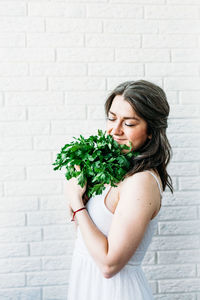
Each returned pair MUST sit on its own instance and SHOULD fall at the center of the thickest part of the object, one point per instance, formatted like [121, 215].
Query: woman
[116, 228]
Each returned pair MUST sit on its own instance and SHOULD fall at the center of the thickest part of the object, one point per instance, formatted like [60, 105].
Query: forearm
[96, 242]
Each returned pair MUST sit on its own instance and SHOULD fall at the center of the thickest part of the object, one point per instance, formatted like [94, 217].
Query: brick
[69, 112]
[47, 278]
[142, 55]
[15, 143]
[13, 250]
[179, 227]
[21, 293]
[87, 1]
[58, 69]
[73, 25]
[172, 97]
[54, 40]
[198, 270]
[59, 232]
[41, 172]
[8, 39]
[12, 219]
[160, 272]
[23, 234]
[49, 143]
[184, 111]
[8, 173]
[31, 188]
[15, 203]
[181, 198]
[169, 41]
[16, 265]
[13, 69]
[26, 55]
[88, 97]
[190, 183]
[24, 128]
[140, 1]
[96, 112]
[12, 8]
[134, 27]
[183, 285]
[22, 158]
[12, 280]
[184, 140]
[11, 114]
[76, 127]
[46, 218]
[179, 27]
[179, 257]
[170, 12]
[183, 169]
[112, 82]
[190, 97]
[177, 296]
[171, 69]
[84, 83]
[52, 248]
[191, 2]
[178, 213]
[56, 263]
[191, 154]
[52, 202]
[54, 9]
[53, 292]
[174, 243]
[33, 98]
[178, 126]
[185, 55]
[1, 99]
[85, 54]
[21, 24]
[112, 40]
[1, 189]
[23, 83]
[111, 69]
[114, 10]
[182, 83]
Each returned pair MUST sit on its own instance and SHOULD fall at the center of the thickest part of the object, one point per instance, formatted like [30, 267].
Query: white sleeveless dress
[86, 281]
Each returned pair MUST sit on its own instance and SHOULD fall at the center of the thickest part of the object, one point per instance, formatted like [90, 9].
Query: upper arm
[138, 201]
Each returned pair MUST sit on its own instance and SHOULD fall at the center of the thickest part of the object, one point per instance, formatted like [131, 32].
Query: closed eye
[129, 125]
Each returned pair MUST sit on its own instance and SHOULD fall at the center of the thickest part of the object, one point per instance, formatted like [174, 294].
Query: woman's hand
[74, 192]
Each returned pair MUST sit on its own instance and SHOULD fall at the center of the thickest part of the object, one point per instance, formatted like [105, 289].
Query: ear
[149, 136]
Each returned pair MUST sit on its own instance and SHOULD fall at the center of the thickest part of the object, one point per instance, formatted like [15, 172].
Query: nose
[117, 129]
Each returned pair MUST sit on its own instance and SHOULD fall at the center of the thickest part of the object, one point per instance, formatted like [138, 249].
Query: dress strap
[161, 192]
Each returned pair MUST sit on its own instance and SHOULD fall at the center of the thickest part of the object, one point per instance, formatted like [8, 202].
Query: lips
[118, 140]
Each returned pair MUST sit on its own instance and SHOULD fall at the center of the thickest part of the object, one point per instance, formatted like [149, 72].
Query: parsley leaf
[101, 161]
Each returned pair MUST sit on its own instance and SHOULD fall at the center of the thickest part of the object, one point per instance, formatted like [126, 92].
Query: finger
[77, 167]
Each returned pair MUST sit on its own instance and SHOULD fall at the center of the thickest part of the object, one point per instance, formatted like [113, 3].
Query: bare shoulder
[143, 180]
[142, 190]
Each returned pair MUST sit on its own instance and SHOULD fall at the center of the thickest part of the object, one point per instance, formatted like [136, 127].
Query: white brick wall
[58, 61]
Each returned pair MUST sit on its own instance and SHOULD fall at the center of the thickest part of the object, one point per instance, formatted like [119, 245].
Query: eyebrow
[126, 118]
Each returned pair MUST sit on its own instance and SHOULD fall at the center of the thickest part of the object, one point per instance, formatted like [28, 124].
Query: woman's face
[124, 125]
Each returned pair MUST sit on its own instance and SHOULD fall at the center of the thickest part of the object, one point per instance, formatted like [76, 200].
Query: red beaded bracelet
[76, 212]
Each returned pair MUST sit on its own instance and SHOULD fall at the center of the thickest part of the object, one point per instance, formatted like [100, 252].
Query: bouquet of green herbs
[100, 159]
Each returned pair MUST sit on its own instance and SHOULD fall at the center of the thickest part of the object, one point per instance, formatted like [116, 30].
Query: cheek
[138, 134]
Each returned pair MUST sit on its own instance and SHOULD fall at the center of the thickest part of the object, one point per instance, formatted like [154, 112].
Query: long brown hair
[150, 103]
